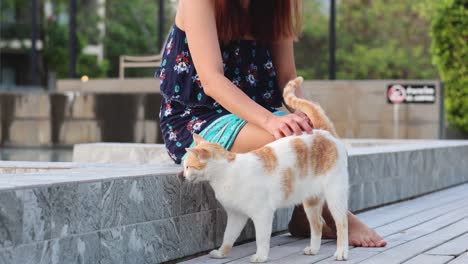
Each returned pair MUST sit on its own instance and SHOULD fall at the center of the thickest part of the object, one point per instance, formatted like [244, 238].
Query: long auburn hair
[265, 20]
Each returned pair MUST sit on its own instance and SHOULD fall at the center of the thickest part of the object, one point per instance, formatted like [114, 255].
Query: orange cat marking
[341, 228]
[316, 224]
[315, 220]
[311, 202]
[287, 182]
[268, 157]
[302, 155]
[218, 152]
[231, 156]
[198, 139]
[205, 150]
[226, 249]
[323, 154]
[311, 109]
[193, 160]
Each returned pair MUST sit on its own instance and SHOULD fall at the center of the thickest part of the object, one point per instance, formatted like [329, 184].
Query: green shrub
[450, 54]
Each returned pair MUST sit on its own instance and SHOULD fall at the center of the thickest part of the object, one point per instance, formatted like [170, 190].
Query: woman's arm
[283, 59]
[197, 18]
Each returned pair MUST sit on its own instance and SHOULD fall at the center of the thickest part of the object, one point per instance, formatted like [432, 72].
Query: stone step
[130, 153]
[131, 212]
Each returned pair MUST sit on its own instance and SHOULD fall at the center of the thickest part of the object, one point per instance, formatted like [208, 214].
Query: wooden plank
[279, 252]
[416, 231]
[454, 247]
[388, 214]
[428, 227]
[290, 249]
[419, 218]
[405, 208]
[358, 254]
[463, 259]
[432, 259]
[283, 239]
[244, 250]
[326, 250]
[412, 248]
[399, 223]
[410, 234]
[355, 256]
[236, 253]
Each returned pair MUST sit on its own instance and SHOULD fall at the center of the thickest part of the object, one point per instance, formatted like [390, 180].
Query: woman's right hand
[287, 125]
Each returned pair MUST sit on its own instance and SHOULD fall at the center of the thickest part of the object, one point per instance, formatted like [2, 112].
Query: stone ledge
[114, 213]
[129, 153]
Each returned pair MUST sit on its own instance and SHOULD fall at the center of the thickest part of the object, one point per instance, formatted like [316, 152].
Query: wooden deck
[430, 229]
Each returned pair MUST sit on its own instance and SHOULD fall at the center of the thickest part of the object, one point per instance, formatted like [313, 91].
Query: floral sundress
[186, 109]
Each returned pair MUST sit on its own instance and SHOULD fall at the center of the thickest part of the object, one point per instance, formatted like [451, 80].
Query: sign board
[411, 93]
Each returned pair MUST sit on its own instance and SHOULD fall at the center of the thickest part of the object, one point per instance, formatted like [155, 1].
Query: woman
[243, 54]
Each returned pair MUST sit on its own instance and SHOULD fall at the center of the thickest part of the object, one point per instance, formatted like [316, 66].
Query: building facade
[23, 29]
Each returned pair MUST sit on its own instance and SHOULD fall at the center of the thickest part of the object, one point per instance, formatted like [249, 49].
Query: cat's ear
[197, 139]
[201, 154]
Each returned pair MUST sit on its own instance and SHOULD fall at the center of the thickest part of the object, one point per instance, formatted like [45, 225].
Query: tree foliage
[378, 39]
[56, 42]
[131, 29]
[382, 39]
[450, 54]
[311, 51]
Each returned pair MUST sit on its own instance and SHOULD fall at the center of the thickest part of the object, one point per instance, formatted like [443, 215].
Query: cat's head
[203, 157]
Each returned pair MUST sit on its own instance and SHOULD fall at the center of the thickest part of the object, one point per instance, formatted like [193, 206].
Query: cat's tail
[311, 109]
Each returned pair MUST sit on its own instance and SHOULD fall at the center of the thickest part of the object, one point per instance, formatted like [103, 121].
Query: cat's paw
[341, 254]
[217, 254]
[311, 250]
[258, 259]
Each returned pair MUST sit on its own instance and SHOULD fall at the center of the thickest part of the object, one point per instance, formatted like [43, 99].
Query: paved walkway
[430, 229]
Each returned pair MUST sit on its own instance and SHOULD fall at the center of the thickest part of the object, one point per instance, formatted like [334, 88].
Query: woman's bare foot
[360, 235]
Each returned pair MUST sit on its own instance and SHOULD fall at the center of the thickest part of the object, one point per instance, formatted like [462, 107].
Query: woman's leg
[252, 137]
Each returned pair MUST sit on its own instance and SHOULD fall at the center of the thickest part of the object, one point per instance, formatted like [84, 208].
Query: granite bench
[138, 211]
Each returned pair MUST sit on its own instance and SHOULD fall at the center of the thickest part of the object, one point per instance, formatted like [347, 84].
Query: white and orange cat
[310, 169]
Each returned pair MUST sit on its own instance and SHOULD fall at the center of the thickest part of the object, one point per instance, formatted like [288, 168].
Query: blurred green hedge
[450, 54]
